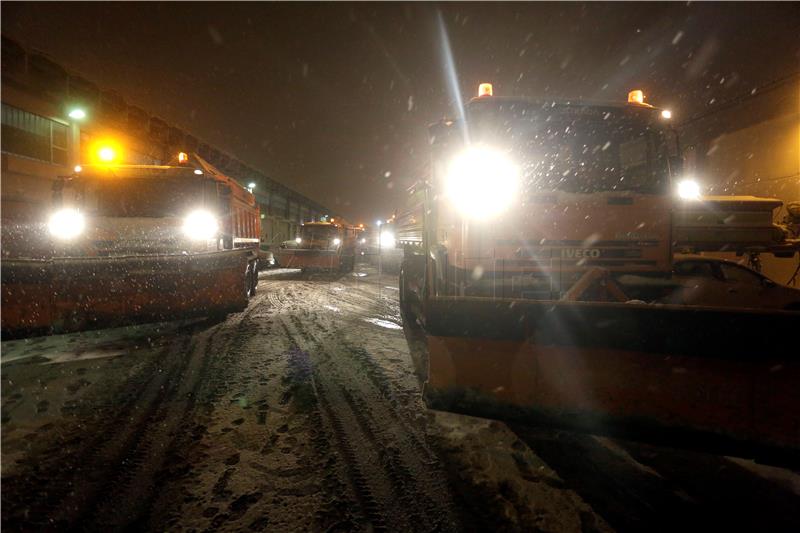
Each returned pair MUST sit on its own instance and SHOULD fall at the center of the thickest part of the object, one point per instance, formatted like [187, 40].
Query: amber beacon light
[636, 97]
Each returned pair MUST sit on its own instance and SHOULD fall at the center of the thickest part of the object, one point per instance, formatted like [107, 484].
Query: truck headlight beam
[387, 239]
[66, 224]
[482, 182]
[200, 225]
[689, 189]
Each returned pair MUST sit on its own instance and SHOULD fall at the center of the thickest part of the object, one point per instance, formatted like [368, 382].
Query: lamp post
[76, 114]
[380, 236]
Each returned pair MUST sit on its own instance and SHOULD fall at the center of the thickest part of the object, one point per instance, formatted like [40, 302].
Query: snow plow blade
[308, 259]
[714, 379]
[64, 295]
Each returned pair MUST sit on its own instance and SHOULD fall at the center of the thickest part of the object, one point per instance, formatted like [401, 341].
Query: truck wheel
[405, 308]
[249, 287]
[255, 278]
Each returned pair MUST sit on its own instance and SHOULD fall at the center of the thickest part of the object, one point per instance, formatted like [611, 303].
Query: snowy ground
[303, 413]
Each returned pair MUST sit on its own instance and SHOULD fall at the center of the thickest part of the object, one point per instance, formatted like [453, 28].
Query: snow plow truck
[516, 246]
[327, 246]
[127, 244]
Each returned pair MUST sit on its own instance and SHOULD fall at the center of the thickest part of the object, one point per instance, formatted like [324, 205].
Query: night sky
[334, 99]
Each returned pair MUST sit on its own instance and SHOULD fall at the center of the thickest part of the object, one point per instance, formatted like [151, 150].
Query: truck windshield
[142, 197]
[318, 233]
[579, 150]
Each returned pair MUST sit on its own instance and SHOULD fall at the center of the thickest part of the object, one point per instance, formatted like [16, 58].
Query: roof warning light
[485, 89]
[636, 97]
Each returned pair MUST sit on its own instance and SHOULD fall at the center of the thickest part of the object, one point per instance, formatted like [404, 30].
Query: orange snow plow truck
[530, 251]
[325, 246]
[127, 244]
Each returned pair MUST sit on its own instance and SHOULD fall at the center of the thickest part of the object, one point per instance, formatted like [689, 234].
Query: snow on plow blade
[74, 294]
[717, 379]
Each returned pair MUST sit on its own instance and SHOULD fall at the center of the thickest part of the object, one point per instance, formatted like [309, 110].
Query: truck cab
[525, 196]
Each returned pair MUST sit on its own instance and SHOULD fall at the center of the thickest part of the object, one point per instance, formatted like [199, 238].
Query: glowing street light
[251, 185]
[77, 114]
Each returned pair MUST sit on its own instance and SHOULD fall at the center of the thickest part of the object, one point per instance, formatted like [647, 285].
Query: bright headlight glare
[66, 223]
[387, 239]
[337, 241]
[482, 182]
[689, 189]
[298, 240]
[200, 225]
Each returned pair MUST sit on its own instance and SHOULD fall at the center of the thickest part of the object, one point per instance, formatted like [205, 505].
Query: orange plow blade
[709, 378]
[308, 259]
[74, 294]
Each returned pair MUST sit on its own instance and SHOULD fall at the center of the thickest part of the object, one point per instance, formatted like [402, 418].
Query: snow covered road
[302, 413]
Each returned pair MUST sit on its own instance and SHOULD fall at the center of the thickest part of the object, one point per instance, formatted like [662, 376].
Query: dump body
[136, 254]
[516, 331]
[323, 246]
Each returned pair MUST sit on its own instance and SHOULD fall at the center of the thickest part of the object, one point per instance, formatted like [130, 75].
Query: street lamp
[380, 238]
[77, 114]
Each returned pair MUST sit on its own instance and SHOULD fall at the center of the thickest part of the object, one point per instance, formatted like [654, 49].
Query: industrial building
[54, 119]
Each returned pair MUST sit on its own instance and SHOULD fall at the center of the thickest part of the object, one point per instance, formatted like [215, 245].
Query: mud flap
[74, 294]
[674, 374]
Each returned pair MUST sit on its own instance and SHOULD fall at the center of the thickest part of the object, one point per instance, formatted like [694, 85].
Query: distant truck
[132, 243]
[324, 246]
[379, 248]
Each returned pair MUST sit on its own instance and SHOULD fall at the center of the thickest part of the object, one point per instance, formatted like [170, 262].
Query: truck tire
[405, 308]
[250, 280]
[255, 277]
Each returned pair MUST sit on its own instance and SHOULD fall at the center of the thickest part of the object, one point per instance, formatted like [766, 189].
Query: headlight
[200, 225]
[387, 239]
[337, 241]
[482, 182]
[298, 240]
[66, 223]
[689, 189]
